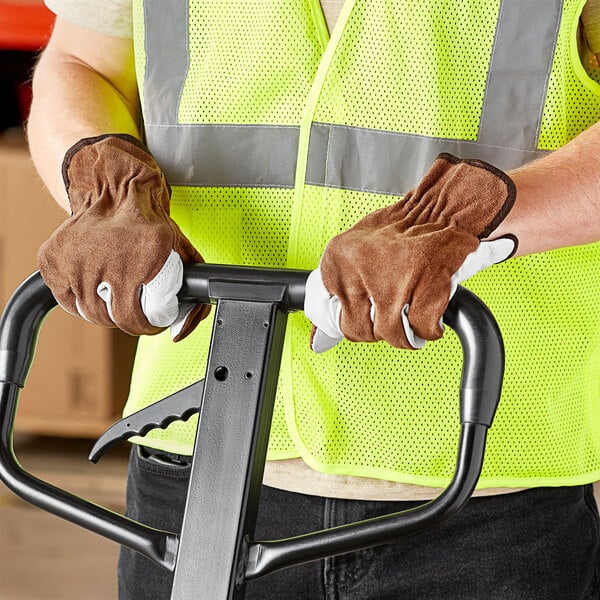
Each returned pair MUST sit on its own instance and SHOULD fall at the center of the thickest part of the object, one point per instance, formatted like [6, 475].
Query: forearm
[74, 99]
[558, 198]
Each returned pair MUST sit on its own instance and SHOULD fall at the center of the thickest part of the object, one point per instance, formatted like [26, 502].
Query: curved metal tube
[159, 546]
[479, 395]
[481, 384]
[19, 328]
[269, 556]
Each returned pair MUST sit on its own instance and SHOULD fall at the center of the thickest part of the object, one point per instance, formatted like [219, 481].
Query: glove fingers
[351, 310]
[321, 342]
[67, 301]
[388, 324]
[158, 297]
[355, 319]
[320, 307]
[323, 311]
[413, 339]
[139, 308]
[128, 315]
[432, 291]
[91, 307]
[427, 308]
[395, 328]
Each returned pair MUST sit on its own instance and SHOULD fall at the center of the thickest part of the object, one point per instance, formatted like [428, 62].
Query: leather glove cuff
[468, 193]
[105, 166]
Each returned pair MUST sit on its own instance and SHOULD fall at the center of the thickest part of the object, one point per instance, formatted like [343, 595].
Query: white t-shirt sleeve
[111, 17]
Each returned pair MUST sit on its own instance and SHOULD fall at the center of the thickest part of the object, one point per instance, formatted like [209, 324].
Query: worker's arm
[558, 198]
[118, 260]
[84, 85]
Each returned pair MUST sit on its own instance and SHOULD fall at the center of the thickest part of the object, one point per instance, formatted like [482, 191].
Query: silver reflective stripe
[340, 156]
[198, 154]
[226, 155]
[167, 58]
[384, 162]
[520, 66]
[392, 163]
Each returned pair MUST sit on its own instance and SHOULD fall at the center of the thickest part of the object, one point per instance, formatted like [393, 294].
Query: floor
[43, 557]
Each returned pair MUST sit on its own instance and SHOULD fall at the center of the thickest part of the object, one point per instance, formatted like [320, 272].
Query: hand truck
[215, 554]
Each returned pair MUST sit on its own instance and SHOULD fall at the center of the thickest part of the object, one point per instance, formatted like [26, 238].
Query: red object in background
[23, 94]
[24, 25]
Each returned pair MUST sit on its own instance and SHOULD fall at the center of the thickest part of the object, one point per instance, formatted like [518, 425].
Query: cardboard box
[80, 375]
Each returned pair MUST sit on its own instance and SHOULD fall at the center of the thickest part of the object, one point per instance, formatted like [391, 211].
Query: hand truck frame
[214, 554]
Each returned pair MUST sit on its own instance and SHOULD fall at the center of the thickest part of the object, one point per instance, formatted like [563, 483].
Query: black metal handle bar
[467, 315]
[480, 389]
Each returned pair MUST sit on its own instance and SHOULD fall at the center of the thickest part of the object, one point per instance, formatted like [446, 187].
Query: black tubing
[479, 395]
[19, 327]
[269, 556]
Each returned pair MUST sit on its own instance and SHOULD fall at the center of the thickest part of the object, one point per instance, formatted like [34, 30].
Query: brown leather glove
[117, 261]
[406, 256]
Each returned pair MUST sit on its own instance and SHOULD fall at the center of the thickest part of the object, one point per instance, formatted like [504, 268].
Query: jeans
[539, 544]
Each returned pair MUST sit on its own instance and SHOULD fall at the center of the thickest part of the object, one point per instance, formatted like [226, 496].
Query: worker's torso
[276, 138]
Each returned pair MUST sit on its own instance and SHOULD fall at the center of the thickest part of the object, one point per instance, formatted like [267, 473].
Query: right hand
[118, 260]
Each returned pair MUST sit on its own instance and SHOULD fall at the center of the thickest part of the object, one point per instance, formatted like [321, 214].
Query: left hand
[324, 310]
[402, 264]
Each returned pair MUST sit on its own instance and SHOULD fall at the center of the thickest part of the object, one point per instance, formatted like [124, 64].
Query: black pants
[541, 544]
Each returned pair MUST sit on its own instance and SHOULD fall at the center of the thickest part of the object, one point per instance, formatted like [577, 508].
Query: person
[244, 132]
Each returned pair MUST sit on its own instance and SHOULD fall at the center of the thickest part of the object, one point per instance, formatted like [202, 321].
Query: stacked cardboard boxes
[80, 376]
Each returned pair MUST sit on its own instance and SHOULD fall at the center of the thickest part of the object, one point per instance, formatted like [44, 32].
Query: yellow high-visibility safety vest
[275, 138]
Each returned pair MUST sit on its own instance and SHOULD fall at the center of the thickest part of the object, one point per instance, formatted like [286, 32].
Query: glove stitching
[162, 274]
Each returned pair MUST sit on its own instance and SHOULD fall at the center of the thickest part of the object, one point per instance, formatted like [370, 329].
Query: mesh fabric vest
[276, 138]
